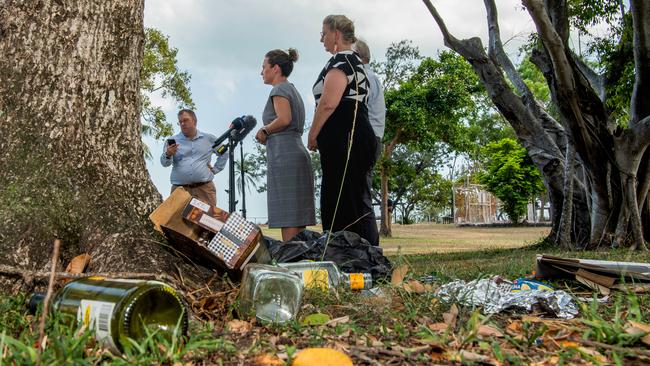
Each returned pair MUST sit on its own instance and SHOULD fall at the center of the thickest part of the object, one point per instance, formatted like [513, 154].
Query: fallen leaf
[438, 353]
[568, 344]
[515, 327]
[417, 287]
[464, 356]
[316, 319]
[645, 328]
[267, 360]
[488, 331]
[636, 328]
[337, 321]
[551, 361]
[321, 357]
[438, 327]
[399, 274]
[593, 353]
[239, 326]
[78, 264]
[451, 316]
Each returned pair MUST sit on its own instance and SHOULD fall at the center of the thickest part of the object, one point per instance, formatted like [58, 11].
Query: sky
[222, 45]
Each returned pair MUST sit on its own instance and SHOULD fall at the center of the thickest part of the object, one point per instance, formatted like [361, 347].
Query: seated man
[190, 152]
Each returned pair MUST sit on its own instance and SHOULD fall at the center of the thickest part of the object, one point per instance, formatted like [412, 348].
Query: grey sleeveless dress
[289, 179]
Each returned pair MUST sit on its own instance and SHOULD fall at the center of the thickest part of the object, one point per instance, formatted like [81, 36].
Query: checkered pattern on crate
[227, 242]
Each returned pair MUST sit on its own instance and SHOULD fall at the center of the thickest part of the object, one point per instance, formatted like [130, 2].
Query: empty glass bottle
[326, 275]
[118, 309]
[270, 293]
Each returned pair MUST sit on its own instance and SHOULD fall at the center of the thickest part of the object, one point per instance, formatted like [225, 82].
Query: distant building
[474, 205]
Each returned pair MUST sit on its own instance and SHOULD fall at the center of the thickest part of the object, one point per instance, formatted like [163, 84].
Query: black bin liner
[350, 252]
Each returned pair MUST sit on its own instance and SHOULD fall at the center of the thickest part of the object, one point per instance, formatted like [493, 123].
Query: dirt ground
[429, 237]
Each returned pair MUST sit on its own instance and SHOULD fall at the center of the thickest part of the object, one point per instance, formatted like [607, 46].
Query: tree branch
[596, 80]
[25, 273]
[640, 108]
[553, 44]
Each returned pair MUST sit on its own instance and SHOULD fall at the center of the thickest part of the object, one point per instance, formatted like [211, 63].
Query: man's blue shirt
[190, 163]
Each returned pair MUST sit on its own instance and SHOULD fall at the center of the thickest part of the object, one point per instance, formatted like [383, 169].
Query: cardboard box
[206, 216]
[184, 219]
[167, 215]
[603, 273]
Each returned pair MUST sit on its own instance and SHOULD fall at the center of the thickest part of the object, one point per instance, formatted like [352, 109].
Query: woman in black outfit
[341, 117]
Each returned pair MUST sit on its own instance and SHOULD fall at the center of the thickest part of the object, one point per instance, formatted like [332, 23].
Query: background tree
[595, 168]
[252, 176]
[511, 176]
[411, 180]
[426, 110]
[72, 163]
[160, 74]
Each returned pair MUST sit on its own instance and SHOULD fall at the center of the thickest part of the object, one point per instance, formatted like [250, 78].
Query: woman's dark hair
[284, 59]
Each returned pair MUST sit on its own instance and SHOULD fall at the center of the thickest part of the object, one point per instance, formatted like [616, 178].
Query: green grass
[393, 327]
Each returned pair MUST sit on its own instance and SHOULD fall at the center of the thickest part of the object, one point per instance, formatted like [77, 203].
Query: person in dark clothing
[343, 135]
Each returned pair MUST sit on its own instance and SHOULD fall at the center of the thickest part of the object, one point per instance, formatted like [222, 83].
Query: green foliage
[611, 49]
[484, 125]
[414, 183]
[160, 73]
[601, 330]
[401, 62]
[535, 81]
[511, 176]
[430, 106]
[584, 15]
[254, 171]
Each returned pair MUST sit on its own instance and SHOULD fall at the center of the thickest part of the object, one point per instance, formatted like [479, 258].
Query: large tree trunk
[613, 182]
[70, 151]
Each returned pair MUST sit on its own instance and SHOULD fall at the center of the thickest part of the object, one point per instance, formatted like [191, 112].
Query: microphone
[239, 128]
[247, 124]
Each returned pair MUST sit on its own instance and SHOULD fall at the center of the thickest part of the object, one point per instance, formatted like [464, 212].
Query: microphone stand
[232, 204]
[243, 181]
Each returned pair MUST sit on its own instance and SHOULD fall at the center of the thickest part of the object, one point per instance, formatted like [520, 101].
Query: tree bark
[385, 229]
[566, 220]
[71, 159]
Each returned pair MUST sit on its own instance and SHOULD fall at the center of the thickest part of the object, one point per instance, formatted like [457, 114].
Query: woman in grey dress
[290, 182]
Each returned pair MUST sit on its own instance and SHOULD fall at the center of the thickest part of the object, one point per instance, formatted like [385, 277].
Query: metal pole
[232, 204]
[243, 181]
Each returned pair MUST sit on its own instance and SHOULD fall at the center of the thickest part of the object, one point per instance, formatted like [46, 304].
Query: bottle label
[316, 278]
[200, 205]
[96, 315]
[357, 281]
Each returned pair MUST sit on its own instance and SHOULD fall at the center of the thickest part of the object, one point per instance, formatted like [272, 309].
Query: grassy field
[439, 238]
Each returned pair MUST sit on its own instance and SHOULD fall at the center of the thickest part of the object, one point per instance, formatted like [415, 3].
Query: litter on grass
[496, 295]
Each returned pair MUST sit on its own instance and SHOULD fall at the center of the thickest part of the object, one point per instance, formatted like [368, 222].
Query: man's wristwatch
[266, 132]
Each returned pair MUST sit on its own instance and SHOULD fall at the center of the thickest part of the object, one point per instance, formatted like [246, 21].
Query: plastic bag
[348, 250]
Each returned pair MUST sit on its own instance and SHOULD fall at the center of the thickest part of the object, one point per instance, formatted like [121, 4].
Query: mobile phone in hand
[171, 142]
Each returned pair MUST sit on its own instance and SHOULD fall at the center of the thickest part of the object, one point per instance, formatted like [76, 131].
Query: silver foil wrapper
[495, 295]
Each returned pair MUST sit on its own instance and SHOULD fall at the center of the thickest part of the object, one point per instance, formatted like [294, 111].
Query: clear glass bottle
[271, 293]
[326, 274]
[118, 309]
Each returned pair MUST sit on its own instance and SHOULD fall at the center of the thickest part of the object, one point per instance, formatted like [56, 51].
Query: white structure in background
[474, 205]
